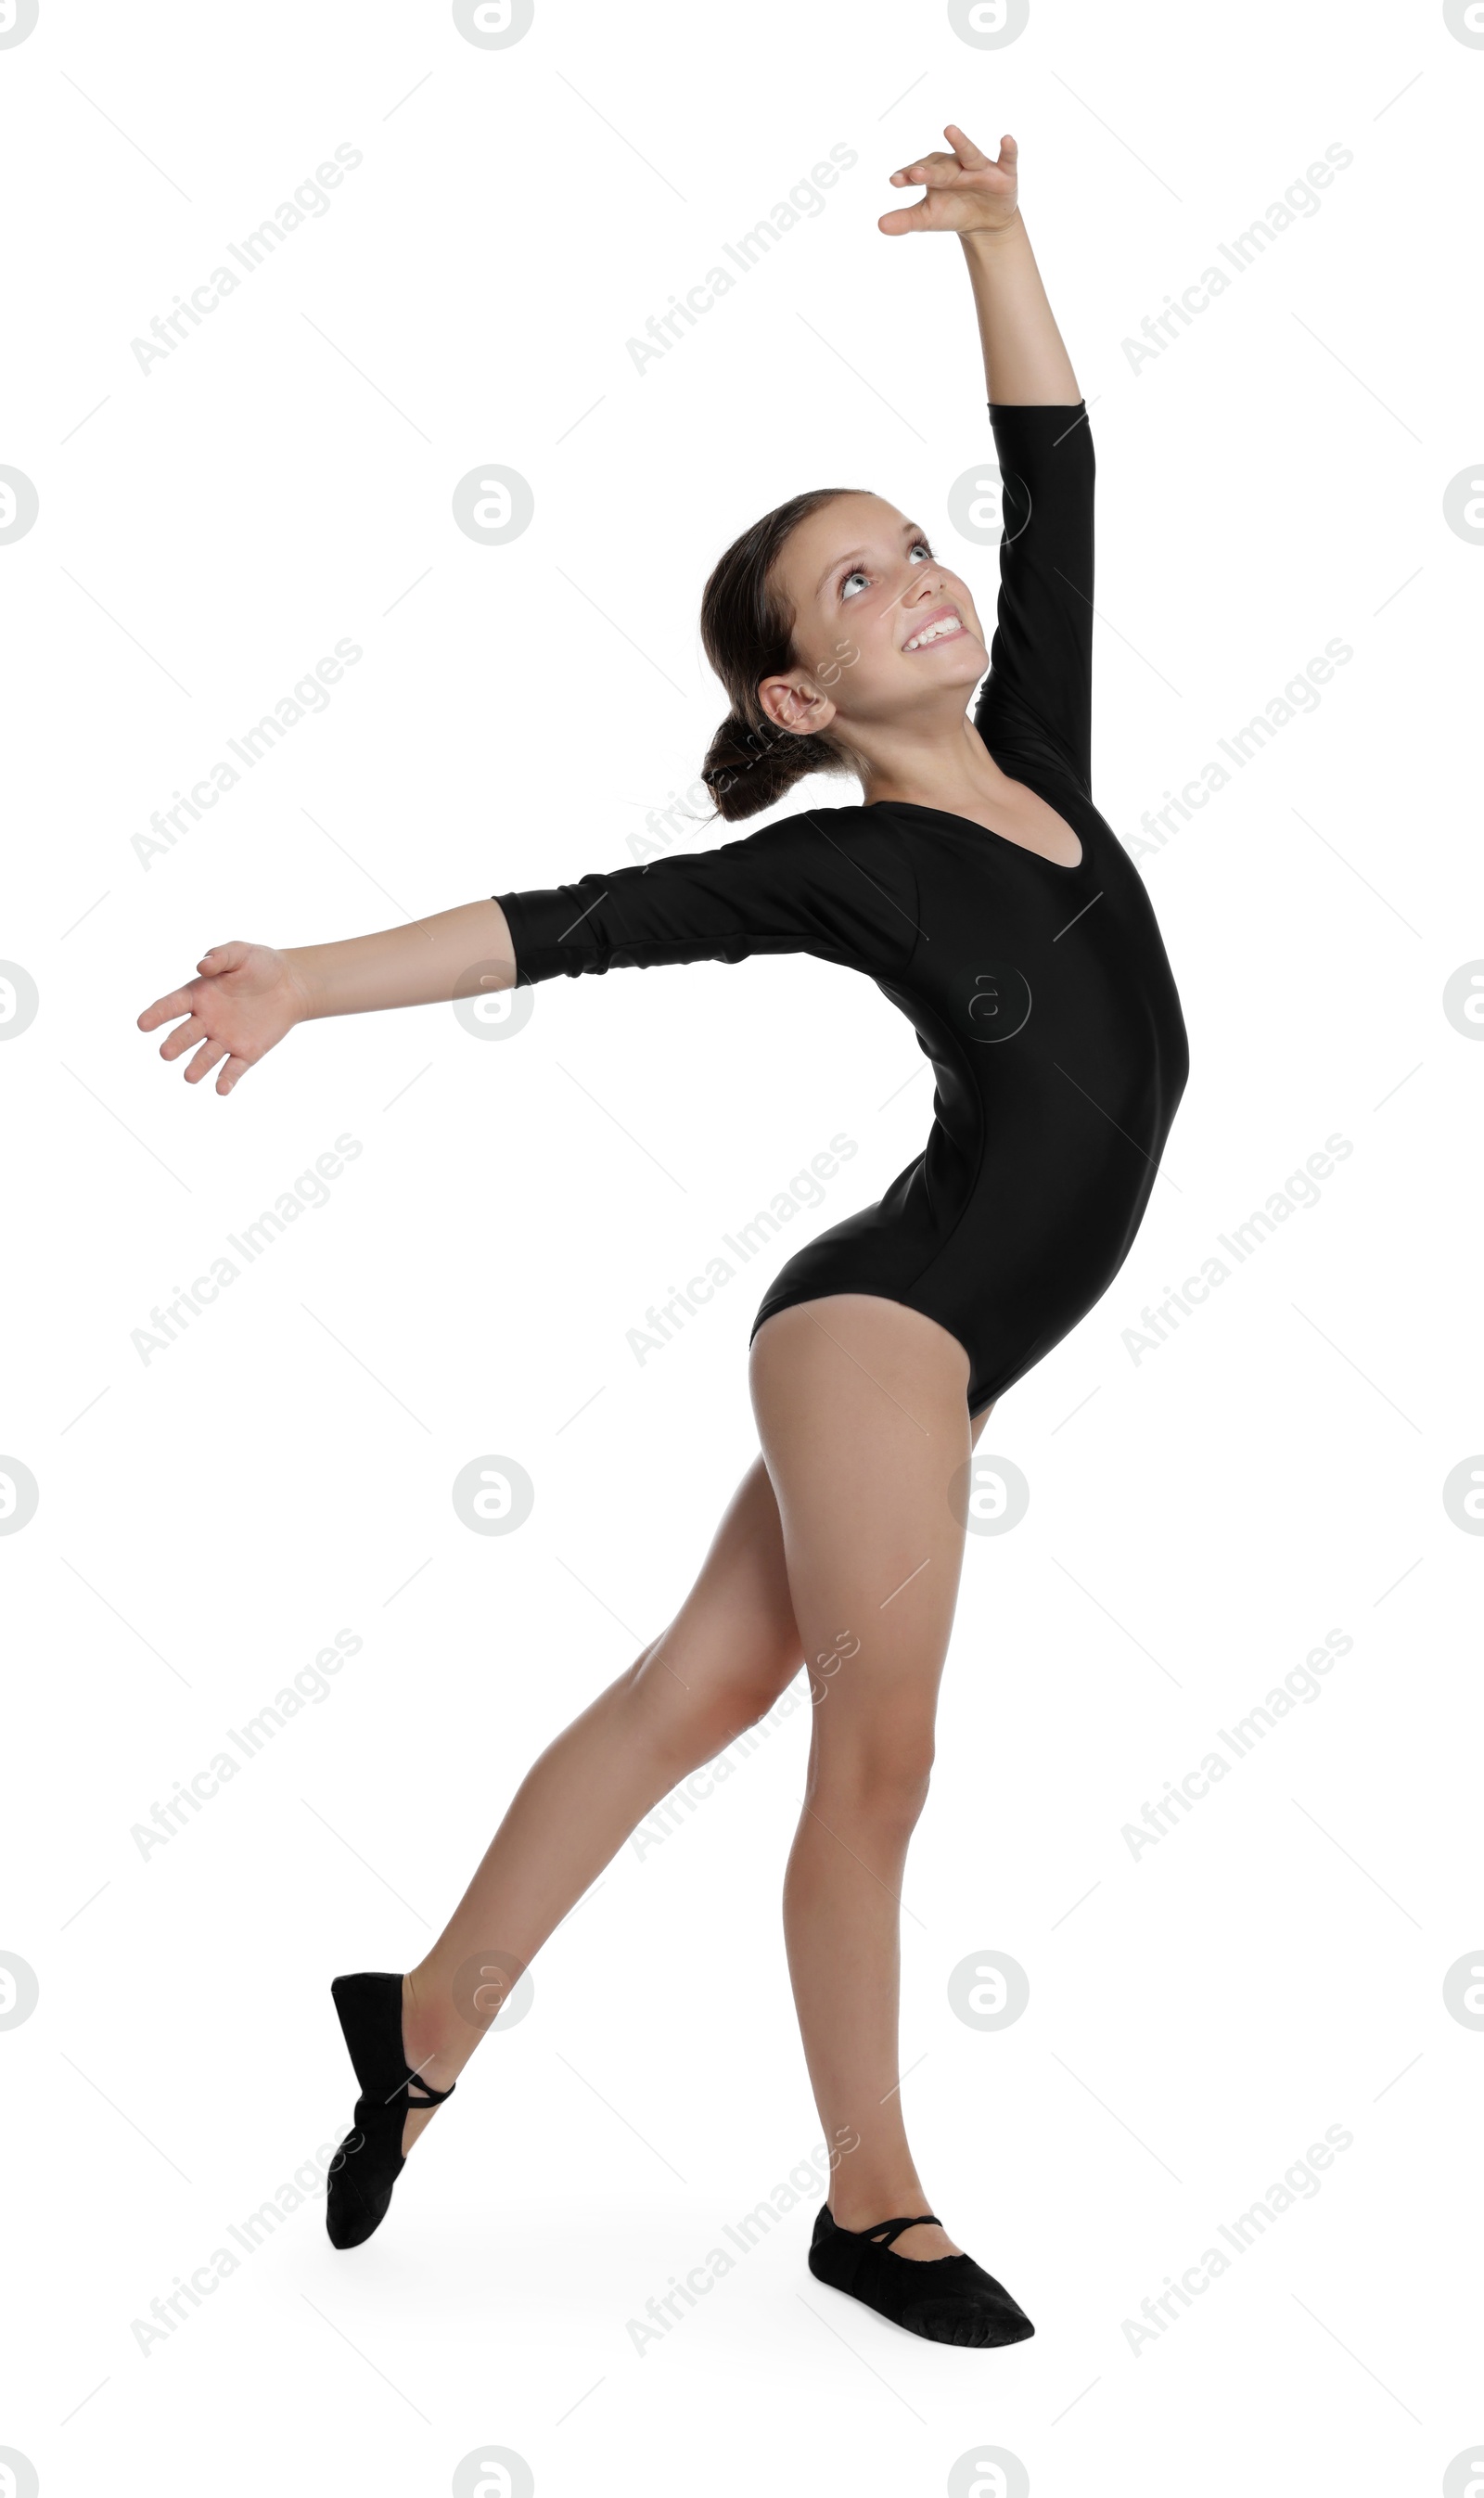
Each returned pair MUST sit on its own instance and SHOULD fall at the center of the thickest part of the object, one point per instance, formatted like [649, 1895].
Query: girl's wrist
[988, 239]
[295, 968]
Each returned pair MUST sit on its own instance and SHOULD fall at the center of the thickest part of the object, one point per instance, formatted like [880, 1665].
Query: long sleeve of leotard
[1037, 698]
[831, 881]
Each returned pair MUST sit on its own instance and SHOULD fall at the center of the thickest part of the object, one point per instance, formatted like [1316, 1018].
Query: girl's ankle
[868, 2211]
[429, 2046]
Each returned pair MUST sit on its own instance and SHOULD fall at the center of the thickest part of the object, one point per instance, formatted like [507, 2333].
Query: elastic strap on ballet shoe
[886, 2232]
[431, 2098]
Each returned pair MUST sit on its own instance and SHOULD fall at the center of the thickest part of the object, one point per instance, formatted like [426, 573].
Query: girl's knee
[693, 1711]
[881, 1778]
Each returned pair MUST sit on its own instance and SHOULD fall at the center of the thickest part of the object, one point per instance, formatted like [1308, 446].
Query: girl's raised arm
[975, 196]
[1035, 706]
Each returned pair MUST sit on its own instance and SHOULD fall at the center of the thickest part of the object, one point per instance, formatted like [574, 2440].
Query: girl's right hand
[247, 998]
[967, 192]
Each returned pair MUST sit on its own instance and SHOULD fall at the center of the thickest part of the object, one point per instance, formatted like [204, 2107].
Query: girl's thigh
[861, 1412]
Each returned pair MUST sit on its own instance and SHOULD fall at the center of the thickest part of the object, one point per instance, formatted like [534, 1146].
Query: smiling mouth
[941, 628]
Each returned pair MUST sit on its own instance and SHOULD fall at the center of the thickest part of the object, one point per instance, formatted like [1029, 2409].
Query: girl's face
[884, 631]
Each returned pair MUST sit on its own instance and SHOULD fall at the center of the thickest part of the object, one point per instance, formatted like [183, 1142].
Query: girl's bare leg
[729, 1652]
[861, 1413]
[732, 1650]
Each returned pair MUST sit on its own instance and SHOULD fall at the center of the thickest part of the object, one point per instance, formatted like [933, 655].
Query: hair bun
[750, 764]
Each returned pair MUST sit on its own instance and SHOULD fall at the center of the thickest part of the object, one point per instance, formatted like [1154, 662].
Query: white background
[1198, 1518]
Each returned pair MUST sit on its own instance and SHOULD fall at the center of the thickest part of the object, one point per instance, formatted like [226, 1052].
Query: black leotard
[1041, 994]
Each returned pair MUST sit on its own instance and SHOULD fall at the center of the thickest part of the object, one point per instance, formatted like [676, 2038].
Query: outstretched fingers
[186, 1036]
[210, 1055]
[939, 170]
[166, 1009]
[214, 963]
[980, 182]
[943, 170]
[973, 159]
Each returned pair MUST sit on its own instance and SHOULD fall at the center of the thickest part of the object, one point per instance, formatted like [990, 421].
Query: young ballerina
[982, 890]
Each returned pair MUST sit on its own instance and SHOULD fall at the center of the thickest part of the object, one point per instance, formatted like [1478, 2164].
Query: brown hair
[746, 627]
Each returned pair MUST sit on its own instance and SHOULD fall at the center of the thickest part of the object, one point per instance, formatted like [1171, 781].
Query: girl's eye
[858, 573]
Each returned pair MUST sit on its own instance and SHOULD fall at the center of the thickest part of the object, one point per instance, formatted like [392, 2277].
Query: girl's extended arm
[974, 196]
[416, 966]
[245, 998]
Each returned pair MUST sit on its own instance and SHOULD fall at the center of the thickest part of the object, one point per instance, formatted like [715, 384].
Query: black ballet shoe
[370, 2160]
[946, 2299]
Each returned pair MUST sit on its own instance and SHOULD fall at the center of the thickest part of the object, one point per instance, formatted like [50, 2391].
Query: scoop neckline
[946, 815]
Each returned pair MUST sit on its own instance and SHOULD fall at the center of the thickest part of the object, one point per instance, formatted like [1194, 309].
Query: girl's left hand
[967, 192]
